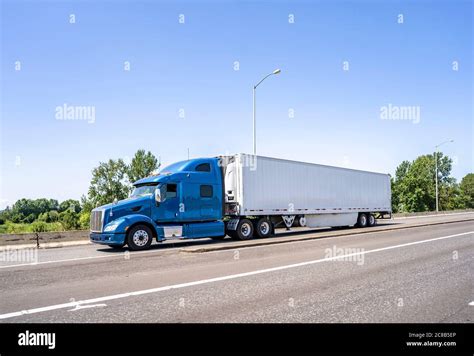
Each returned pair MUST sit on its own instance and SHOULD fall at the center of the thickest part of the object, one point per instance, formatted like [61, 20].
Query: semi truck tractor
[242, 196]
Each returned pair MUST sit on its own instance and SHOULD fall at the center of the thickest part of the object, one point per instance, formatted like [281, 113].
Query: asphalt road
[419, 274]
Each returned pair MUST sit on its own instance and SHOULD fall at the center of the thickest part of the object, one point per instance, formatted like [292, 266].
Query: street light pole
[436, 178]
[276, 71]
[254, 123]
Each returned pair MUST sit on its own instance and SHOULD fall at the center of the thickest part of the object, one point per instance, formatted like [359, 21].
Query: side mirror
[158, 195]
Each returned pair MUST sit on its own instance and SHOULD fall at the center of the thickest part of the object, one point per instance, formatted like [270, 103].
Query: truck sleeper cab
[228, 195]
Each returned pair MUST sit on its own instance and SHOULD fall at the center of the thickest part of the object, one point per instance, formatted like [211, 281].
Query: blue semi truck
[241, 196]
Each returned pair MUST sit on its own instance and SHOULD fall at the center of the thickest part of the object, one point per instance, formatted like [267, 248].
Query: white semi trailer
[242, 196]
[262, 193]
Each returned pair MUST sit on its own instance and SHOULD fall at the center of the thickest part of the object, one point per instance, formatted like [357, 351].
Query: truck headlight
[111, 227]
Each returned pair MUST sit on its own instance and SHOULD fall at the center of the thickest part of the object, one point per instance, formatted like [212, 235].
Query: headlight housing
[111, 227]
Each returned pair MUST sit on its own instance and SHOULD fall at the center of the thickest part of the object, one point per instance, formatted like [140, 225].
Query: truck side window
[171, 191]
[206, 191]
[203, 167]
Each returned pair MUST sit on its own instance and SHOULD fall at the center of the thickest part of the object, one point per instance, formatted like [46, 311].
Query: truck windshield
[143, 190]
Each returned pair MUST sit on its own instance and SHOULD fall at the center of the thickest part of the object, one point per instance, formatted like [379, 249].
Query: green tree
[111, 180]
[71, 204]
[108, 182]
[467, 190]
[69, 220]
[84, 219]
[44, 217]
[141, 166]
[28, 210]
[29, 219]
[86, 204]
[413, 188]
[53, 216]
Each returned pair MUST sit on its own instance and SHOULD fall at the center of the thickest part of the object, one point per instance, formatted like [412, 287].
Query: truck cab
[183, 201]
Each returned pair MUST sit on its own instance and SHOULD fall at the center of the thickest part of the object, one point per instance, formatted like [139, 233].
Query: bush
[69, 220]
[53, 216]
[39, 226]
[29, 219]
[84, 219]
[43, 217]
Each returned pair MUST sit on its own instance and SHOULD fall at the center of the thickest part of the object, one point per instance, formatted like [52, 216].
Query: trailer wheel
[244, 230]
[371, 220]
[362, 220]
[263, 227]
[139, 237]
[301, 221]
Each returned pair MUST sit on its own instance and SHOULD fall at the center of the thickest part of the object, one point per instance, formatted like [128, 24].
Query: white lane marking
[430, 216]
[79, 307]
[217, 279]
[471, 303]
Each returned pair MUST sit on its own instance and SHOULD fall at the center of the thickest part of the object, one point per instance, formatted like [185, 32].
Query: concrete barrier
[43, 237]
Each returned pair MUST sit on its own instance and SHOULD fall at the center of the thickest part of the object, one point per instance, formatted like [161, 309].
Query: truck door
[168, 209]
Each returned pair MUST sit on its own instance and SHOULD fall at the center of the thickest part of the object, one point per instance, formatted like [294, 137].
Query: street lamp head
[277, 71]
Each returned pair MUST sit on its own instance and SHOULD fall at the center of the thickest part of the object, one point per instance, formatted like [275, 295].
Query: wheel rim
[140, 238]
[363, 220]
[264, 228]
[371, 220]
[246, 229]
[303, 221]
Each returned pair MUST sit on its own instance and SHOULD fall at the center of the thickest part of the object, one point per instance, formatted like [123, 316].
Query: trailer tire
[362, 220]
[302, 221]
[371, 221]
[263, 227]
[244, 230]
[139, 238]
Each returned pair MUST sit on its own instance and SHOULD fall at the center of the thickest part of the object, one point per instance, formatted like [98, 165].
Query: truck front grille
[96, 220]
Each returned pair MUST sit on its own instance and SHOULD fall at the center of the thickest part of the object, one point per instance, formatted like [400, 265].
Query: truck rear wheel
[362, 220]
[244, 230]
[139, 237]
[371, 220]
[263, 227]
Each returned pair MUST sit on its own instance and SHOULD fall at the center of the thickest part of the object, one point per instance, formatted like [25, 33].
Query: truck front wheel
[139, 237]
[244, 230]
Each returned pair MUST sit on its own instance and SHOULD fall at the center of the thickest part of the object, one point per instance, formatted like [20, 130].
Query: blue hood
[141, 205]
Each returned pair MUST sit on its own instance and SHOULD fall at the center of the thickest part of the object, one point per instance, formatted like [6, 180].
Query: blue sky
[191, 67]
